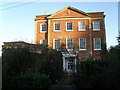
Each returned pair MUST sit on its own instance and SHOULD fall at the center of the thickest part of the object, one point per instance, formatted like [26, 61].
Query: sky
[17, 18]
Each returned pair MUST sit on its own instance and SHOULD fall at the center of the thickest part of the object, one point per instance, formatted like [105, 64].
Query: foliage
[102, 73]
[54, 65]
[31, 78]
[103, 51]
[16, 60]
[23, 68]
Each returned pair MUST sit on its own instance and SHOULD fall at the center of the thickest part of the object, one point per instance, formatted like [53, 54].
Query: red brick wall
[39, 35]
[63, 34]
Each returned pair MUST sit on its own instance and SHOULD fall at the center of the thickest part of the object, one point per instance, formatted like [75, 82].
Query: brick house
[21, 44]
[81, 33]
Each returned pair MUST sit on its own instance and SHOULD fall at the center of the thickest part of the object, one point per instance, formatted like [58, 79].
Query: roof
[96, 14]
[71, 8]
[41, 17]
[91, 14]
[77, 10]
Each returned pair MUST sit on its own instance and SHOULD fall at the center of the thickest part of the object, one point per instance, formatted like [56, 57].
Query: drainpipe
[90, 35]
[49, 33]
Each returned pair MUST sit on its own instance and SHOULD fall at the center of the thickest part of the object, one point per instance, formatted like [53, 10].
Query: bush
[17, 60]
[54, 66]
[32, 78]
[87, 75]
[17, 67]
[102, 73]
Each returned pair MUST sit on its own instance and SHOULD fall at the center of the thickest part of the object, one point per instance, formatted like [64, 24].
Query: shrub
[102, 73]
[17, 67]
[31, 78]
[54, 66]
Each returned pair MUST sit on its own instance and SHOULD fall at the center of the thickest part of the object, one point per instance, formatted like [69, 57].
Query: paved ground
[64, 84]
[63, 87]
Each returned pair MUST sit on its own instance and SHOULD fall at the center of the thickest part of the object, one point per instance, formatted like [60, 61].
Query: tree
[102, 73]
[20, 69]
[25, 67]
[54, 66]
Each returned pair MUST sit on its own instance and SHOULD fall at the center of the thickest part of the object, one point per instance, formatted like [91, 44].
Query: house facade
[21, 44]
[81, 34]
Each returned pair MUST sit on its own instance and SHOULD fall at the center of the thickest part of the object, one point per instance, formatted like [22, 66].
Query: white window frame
[54, 43]
[41, 42]
[85, 44]
[67, 45]
[69, 29]
[95, 43]
[54, 27]
[41, 27]
[80, 25]
[94, 26]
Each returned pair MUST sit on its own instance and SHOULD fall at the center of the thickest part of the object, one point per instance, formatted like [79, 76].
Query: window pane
[97, 43]
[82, 25]
[69, 43]
[70, 65]
[96, 25]
[43, 27]
[57, 26]
[57, 43]
[43, 42]
[82, 43]
[69, 25]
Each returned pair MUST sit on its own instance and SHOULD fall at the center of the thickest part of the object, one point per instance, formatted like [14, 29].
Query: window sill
[43, 31]
[56, 30]
[69, 30]
[97, 49]
[82, 30]
[82, 49]
[96, 29]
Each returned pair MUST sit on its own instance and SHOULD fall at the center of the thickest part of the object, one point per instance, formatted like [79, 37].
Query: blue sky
[18, 23]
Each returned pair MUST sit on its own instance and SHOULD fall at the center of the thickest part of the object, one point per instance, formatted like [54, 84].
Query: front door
[70, 67]
[70, 64]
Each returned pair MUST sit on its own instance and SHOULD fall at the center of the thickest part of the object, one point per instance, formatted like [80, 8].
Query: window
[44, 42]
[82, 43]
[81, 26]
[69, 44]
[56, 43]
[56, 26]
[96, 25]
[43, 27]
[69, 26]
[97, 44]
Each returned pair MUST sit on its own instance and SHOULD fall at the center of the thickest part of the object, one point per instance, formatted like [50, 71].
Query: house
[81, 34]
[21, 44]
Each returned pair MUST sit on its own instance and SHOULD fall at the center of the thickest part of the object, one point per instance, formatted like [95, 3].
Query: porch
[69, 63]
